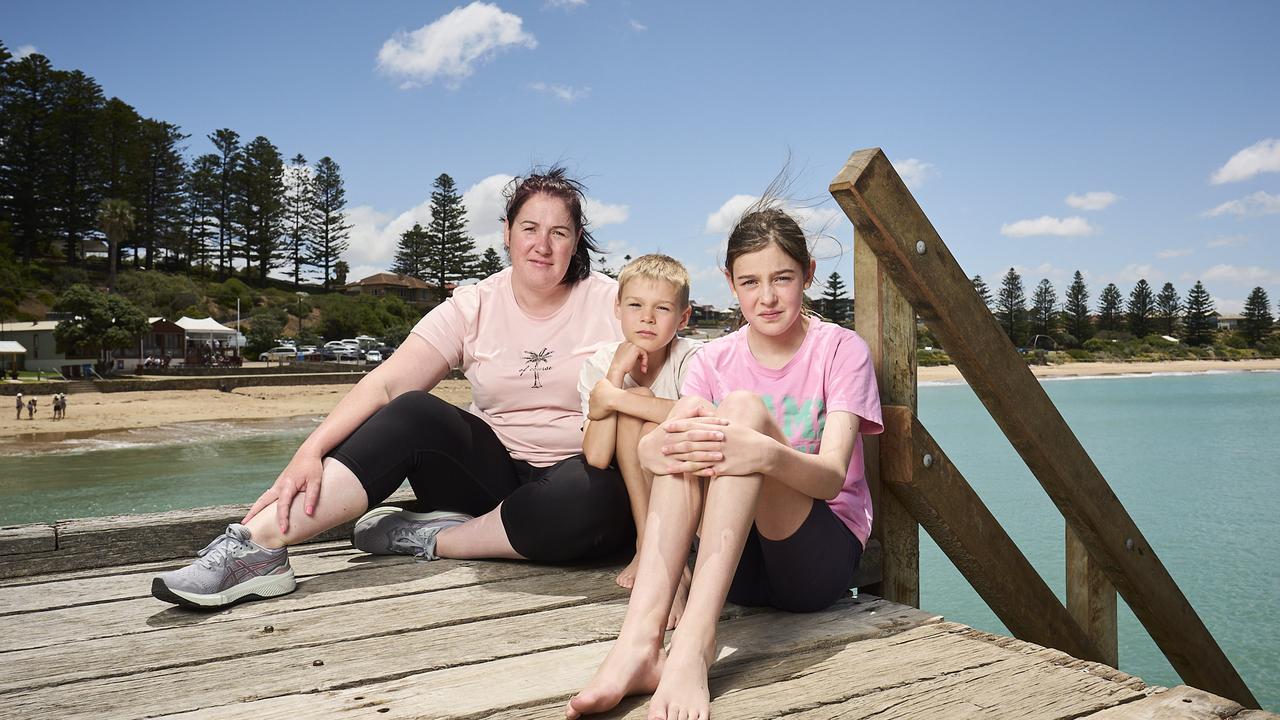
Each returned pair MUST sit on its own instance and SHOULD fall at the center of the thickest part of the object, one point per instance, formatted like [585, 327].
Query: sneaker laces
[421, 543]
[216, 552]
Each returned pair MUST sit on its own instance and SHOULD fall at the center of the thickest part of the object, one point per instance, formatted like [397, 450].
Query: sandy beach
[92, 413]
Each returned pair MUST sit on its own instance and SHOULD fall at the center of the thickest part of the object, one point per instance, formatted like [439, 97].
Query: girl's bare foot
[682, 691]
[678, 601]
[627, 578]
[628, 670]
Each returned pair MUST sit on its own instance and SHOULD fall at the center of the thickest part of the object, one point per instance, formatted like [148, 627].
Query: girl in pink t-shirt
[764, 455]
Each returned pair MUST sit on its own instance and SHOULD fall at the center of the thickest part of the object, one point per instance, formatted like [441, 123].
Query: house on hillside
[42, 351]
[1230, 323]
[406, 287]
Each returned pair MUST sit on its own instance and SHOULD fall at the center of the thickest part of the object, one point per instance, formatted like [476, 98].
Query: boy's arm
[599, 430]
[645, 407]
[598, 441]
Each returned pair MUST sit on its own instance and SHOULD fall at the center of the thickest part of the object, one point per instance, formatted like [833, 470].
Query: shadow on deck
[389, 637]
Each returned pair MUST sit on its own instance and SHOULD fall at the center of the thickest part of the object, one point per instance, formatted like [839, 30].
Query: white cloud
[485, 205]
[566, 4]
[1228, 241]
[375, 235]
[1228, 306]
[1248, 275]
[1173, 253]
[1259, 203]
[563, 92]
[1133, 273]
[1046, 225]
[1262, 156]
[600, 214]
[915, 172]
[1092, 200]
[452, 46]
[23, 51]
[638, 26]
[814, 220]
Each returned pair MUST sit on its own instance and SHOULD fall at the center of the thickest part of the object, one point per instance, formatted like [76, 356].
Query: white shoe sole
[257, 588]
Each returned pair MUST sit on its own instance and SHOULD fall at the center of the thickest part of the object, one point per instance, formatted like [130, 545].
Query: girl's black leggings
[562, 513]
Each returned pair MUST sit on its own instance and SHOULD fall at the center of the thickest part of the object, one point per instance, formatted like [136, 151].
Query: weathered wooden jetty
[80, 635]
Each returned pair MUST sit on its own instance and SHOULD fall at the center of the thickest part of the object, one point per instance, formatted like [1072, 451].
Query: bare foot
[678, 601]
[626, 671]
[682, 692]
[627, 578]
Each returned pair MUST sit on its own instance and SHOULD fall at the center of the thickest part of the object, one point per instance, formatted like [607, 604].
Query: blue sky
[1125, 140]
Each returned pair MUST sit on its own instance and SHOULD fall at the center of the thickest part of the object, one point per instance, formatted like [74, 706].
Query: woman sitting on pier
[763, 458]
[505, 480]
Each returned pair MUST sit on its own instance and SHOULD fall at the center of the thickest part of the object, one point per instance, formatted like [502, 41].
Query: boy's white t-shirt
[665, 385]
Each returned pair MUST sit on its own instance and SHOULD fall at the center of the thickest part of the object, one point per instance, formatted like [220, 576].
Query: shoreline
[138, 417]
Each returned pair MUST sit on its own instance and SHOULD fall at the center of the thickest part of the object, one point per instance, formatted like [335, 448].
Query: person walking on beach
[763, 459]
[20, 406]
[504, 479]
[31, 409]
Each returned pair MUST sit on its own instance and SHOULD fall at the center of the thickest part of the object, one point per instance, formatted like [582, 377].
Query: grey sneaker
[230, 569]
[390, 530]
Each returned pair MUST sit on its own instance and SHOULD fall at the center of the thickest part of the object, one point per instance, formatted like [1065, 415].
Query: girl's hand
[302, 474]
[699, 440]
[744, 451]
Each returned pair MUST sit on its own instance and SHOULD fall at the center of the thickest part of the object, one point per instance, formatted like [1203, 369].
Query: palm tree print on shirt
[537, 362]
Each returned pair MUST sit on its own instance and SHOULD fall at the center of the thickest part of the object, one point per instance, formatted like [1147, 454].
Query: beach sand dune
[92, 413]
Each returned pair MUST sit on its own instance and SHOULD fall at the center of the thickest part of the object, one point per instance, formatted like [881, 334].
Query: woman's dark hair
[572, 193]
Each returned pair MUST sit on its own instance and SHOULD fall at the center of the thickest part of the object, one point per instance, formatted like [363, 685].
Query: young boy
[629, 386]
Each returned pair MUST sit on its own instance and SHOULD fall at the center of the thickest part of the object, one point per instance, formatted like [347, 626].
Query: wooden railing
[903, 270]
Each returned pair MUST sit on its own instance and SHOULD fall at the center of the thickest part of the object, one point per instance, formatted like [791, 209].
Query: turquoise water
[1192, 458]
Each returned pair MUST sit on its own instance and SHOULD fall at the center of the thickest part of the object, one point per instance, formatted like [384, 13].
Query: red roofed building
[406, 287]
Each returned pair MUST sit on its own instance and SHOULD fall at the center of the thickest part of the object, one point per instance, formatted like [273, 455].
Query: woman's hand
[302, 474]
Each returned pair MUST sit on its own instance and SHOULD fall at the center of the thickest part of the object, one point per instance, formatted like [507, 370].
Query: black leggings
[562, 513]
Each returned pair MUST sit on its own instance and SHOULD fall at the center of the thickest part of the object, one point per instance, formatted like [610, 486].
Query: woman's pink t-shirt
[831, 372]
[524, 369]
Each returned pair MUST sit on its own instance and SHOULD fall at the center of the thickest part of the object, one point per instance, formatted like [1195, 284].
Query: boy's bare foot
[626, 671]
[627, 578]
[682, 692]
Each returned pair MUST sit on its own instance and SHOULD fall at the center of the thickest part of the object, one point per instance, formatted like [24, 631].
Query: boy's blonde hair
[657, 267]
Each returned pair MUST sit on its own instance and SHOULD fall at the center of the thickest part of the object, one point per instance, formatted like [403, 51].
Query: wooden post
[946, 506]
[888, 323]
[909, 249]
[1091, 600]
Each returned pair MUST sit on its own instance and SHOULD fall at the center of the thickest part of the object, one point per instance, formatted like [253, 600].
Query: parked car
[373, 357]
[279, 354]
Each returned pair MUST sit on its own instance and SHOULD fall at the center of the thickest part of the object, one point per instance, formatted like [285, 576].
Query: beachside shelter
[208, 334]
[10, 351]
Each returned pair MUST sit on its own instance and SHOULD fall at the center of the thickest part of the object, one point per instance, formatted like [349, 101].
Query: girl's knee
[745, 406]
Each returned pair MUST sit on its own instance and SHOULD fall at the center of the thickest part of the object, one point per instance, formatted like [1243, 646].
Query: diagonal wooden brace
[914, 469]
[884, 213]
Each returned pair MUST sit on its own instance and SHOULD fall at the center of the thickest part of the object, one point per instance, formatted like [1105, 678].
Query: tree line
[1069, 321]
[75, 165]
[444, 253]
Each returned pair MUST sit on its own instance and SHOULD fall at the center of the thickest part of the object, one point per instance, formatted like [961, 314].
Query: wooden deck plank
[316, 628]
[27, 539]
[1181, 703]
[929, 671]
[93, 589]
[128, 568]
[492, 688]
[143, 615]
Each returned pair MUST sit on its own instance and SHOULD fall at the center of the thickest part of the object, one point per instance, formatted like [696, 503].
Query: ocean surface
[1192, 457]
